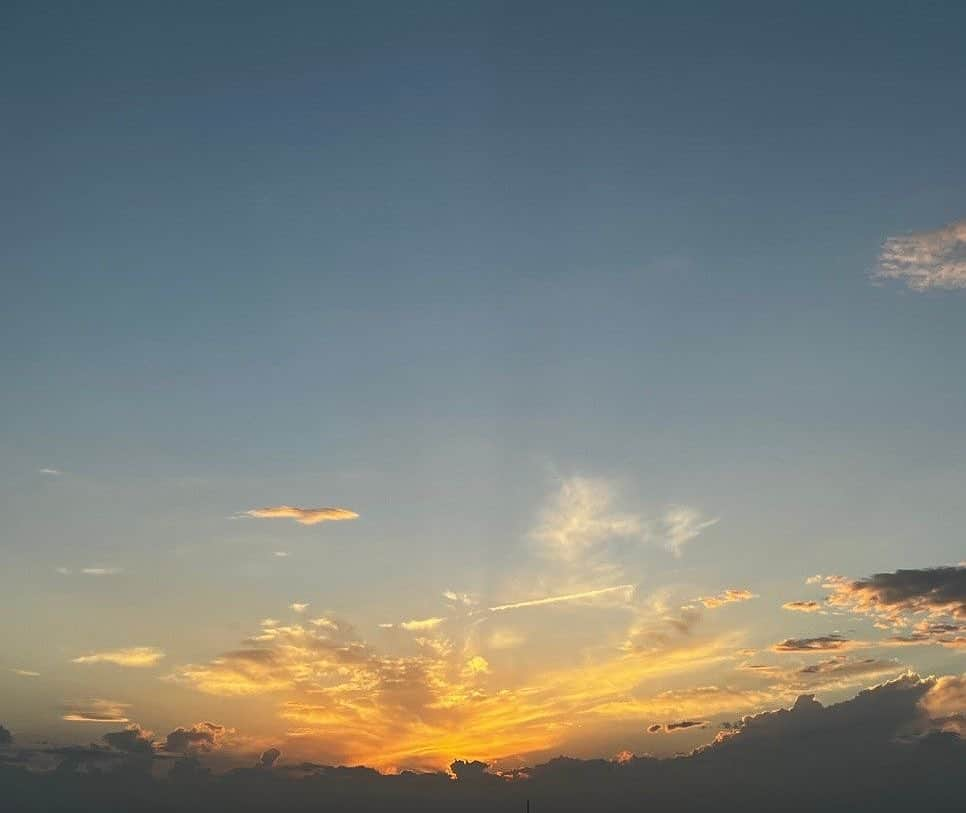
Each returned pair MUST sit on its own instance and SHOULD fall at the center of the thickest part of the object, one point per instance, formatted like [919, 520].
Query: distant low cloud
[5, 736]
[281, 554]
[927, 259]
[133, 740]
[96, 711]
[52, 472]
[200, 737]
[101, 571]
[136, 656]
[729, 596]
[25, 673]
[303, 516]
[824, 643]
[298, 607]
[269, 757]
[803, 606]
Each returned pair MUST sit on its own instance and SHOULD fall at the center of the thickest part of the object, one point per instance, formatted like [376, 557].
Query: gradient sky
[557, 298]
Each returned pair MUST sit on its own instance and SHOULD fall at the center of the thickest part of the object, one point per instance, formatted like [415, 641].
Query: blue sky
[438, 263]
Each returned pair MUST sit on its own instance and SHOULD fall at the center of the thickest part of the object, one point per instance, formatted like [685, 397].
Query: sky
[390, 384]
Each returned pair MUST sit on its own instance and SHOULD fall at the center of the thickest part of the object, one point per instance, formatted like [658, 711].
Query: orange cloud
[304, 516]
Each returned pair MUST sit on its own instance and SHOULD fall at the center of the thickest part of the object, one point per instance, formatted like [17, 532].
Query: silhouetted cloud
[269, 757]
[304, 516]
[133, 740]
[5, 736]
[135, 656]
[682, 725]
[199, 737]
[926, 259]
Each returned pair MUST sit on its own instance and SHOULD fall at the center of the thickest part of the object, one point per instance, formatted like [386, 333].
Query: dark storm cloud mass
[5, 736]
[894, 747]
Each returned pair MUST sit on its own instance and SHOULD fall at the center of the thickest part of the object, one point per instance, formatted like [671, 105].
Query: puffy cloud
[459, 598]
[936, 591]
[133, 740]
[269, 757]
[304, 516]
[927, 259]
[96, 711]
[136, 656]
[823, 643]
[803, 606]
[682, 725]
[199, 737]
[298, 607]
[729, 596]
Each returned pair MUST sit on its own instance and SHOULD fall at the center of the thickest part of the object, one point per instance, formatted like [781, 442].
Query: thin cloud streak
[137, 657]
[540, 602]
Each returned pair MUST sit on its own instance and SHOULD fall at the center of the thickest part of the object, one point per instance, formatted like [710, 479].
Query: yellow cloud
[136, 656]
[729, 596]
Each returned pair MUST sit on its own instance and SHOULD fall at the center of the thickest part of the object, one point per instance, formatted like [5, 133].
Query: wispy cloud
[926, 259]
[670, 728]
[281, 554]
[136, 656]
[421, 624]
[96, 711]
[298, 607]
[101, 571]
[626, 589]
[25, 673]
[729, 596]
[681, 524]
[52, 472]
[303, 516]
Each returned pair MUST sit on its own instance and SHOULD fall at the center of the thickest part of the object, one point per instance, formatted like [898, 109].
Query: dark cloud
[133, 740]
[892, 748]
[269, 757]
[200, 737]
[824, 643]
[936, 591]
[5, 736]
[682, 725]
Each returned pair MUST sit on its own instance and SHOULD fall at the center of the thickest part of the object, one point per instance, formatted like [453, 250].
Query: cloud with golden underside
[803, 606]
[136, 656]
[730, 596]
[420, 710]
[303, 516]
[96, 711]
[919, 606]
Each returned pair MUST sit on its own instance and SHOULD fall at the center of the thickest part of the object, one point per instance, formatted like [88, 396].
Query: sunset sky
[392, 383]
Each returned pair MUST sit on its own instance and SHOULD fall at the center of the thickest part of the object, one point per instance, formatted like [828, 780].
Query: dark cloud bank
[883, 750]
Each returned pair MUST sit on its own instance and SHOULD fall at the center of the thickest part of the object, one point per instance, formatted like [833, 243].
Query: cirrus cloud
[135, 656]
